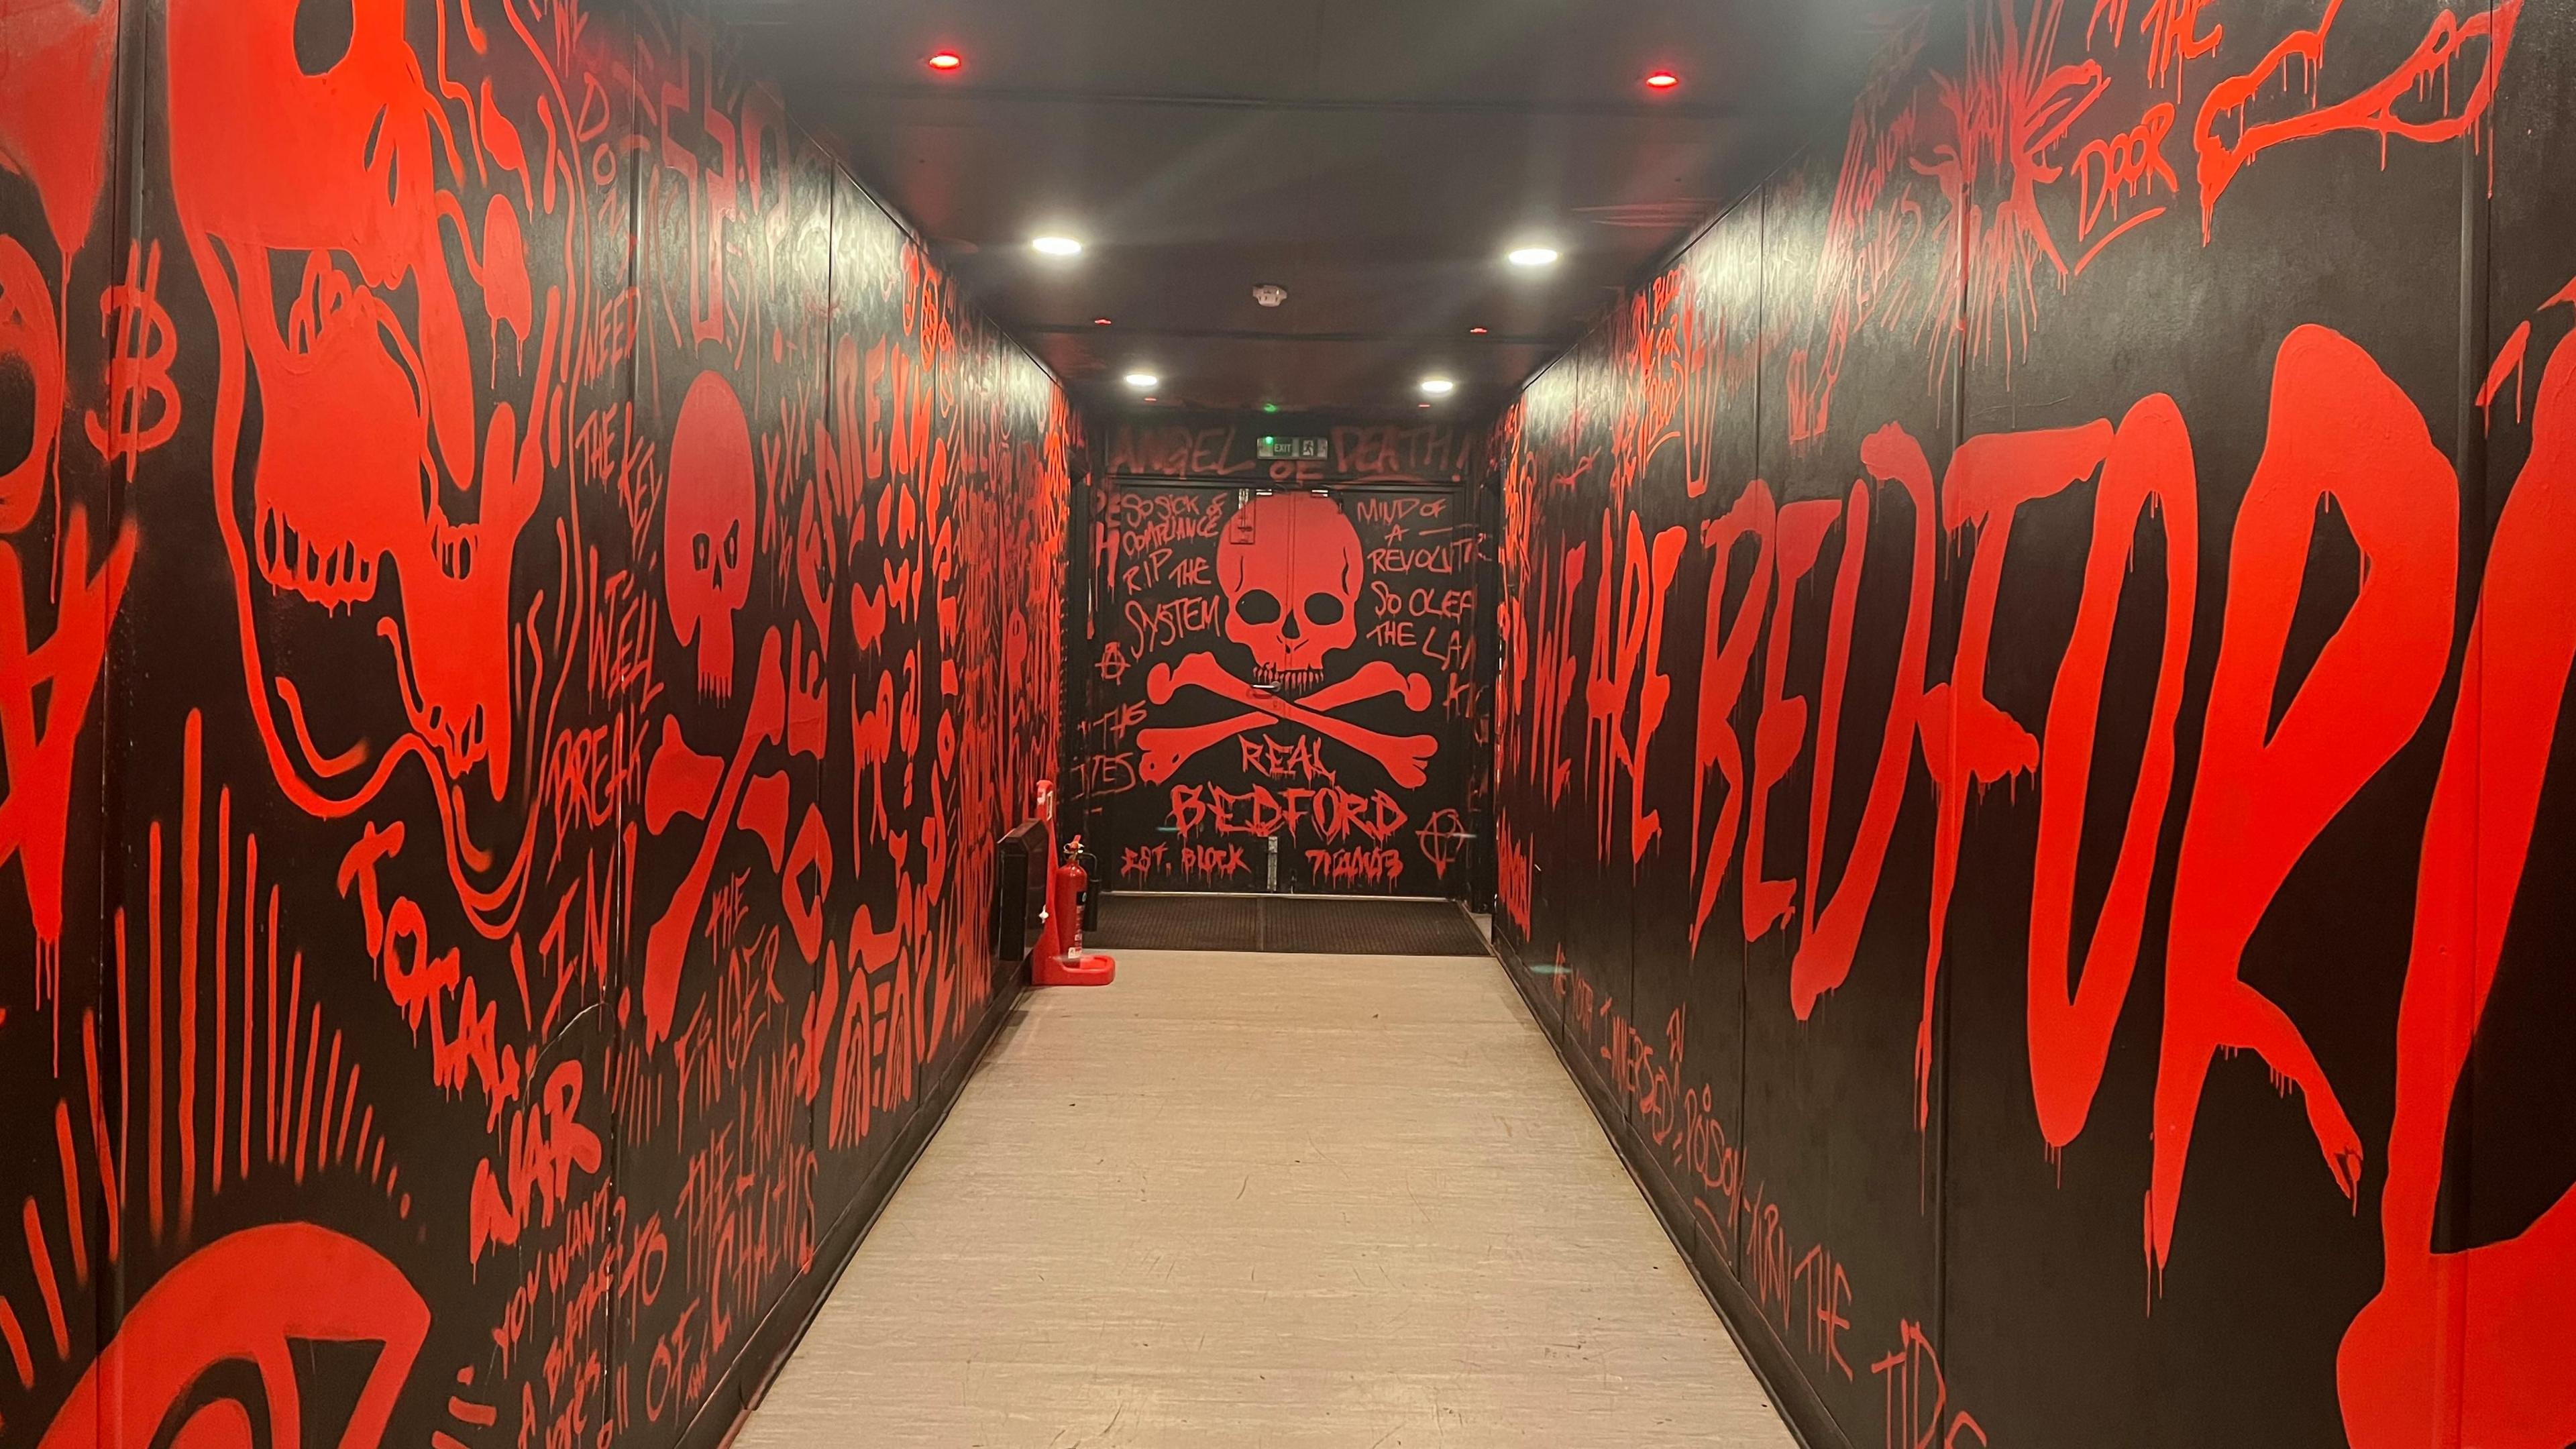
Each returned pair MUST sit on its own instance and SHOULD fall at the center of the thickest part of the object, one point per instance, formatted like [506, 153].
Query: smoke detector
[1270, 294]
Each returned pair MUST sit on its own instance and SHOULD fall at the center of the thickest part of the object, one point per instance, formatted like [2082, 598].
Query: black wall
[1348, 588]
[525, 603]
[2029, 780]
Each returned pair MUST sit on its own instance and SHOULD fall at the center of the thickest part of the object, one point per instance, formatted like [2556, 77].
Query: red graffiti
[1626, 690]
[45, 689]
[2485, 33]
[2014, 108]
[1513, 873]
[2149, 468]
[422, 984]
[2341, 432]
[1214, 863]
[145, 411]
[2467, 1347]
[547, 1144]
[1971, 744]
[1919, 1415]
[1300, 759]
[1725, 662]
[1833, 925]
[2173, 32]
[1329, 813]
[1403, 757]
[54, 112]
[27, 338]
[1443, 839]
[1356, 868]
[535, 369]
[2113, 170]
[1780, 731]
[247, 1300]
[721, 800]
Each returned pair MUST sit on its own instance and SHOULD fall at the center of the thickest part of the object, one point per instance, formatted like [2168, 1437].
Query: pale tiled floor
[1275, 1201]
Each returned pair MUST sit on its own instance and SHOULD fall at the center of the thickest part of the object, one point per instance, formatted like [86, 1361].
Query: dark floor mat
[1176, 923]
[1307, 925]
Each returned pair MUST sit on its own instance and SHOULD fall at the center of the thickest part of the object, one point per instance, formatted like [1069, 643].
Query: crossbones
[1165, 750]
[724, 794]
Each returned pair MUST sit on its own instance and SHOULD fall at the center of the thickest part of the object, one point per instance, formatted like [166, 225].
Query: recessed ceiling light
[945, 60]
[1058, 246]
[1533, 256]
[1143, 381]
[1475, 331]
[1099, 321]
[1438, 386]
[1662, 80]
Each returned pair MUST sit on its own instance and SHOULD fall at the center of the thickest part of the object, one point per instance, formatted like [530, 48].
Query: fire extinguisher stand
[1060, 959]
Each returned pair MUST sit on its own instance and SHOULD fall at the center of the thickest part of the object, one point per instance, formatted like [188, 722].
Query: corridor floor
[1269, 1200]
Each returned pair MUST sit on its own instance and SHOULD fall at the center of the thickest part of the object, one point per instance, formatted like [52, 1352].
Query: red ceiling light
[1475, 331]
[945, 60]
[1662, 80]
[1099, 321]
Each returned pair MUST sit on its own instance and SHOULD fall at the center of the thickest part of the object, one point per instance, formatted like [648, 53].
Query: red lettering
[1627, 658]
[1726, 659]
[2471, 1347]
[2341, 430]
[1781, 731]
[1971, 744]
[1825, 954]
[2150, 466]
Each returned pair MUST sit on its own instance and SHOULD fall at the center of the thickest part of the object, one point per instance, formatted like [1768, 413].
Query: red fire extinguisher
[1071, 966]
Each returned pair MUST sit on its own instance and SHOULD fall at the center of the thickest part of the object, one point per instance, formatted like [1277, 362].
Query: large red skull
[327, 194]
[707, 523]
[1290, 566]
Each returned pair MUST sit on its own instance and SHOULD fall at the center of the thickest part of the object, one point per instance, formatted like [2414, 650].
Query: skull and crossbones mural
[1291, 569]
[1281, 682]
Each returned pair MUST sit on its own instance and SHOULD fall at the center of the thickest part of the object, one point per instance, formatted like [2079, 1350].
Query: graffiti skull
[1291, 569]
[706, 527]
[384, 425]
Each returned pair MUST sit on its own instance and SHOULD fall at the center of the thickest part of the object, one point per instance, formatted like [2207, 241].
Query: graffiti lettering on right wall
[2030, 761]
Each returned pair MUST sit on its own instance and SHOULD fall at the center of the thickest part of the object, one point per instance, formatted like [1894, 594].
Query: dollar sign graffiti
[143, 403]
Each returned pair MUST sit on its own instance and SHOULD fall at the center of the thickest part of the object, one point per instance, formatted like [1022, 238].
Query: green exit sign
[1294, 449]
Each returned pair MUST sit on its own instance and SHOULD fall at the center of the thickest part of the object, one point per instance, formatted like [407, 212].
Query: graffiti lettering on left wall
[553, 811]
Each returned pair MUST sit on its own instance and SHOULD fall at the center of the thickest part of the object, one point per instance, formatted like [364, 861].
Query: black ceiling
[1374, 157]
